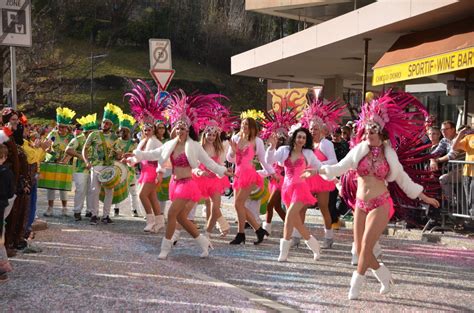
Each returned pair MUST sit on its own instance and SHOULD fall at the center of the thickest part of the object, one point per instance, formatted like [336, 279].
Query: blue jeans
[468, 182]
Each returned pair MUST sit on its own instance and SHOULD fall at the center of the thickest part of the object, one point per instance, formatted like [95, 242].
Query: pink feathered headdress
[278, 121]
[144, 106]
[194, 111]
[400, 114]
[328, 113]
[221, 120]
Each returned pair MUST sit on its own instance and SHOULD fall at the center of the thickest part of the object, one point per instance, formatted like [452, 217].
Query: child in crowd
[6, 193]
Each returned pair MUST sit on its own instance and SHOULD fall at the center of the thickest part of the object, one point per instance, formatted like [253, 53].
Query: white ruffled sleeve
[260, 152]
[327, 148]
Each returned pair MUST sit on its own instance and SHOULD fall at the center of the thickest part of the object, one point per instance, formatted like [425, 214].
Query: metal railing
[457, 190]
[455, 205]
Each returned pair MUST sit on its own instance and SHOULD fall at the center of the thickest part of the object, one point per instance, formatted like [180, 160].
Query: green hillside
[111, 72]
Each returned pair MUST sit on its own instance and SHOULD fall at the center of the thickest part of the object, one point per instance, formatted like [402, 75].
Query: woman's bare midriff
[369, 187]
[182, 172]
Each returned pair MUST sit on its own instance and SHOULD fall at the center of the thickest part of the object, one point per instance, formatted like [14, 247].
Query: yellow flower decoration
[255, 114]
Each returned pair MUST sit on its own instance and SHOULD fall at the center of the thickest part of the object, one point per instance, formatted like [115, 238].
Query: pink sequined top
[180, 161]
[244, 156]
[294, 169]
[374, 164]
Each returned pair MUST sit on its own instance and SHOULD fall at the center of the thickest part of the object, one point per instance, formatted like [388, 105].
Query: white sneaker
[49, 212]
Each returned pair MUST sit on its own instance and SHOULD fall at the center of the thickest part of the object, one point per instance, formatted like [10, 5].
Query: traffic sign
[15, 23]
[162, 77]
[160, 54]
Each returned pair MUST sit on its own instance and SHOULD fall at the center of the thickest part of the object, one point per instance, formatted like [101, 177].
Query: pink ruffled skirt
[185, 188]
[148, 174]
[209, 186]
[317, 184]
[297, 192]
[246, 176]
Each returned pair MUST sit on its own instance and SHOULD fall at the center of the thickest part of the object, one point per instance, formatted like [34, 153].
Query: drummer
[98, 154]
[81, 176]
[126, 144]
[60, 137]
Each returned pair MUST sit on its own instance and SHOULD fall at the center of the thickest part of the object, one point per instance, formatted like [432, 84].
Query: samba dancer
[146, 109]
[186, 114]
[277, 123]
[81, 176]
[125, 144]
[211, 186]
[382, 124]
[242, 149]
[98, 154]
[321, 118]
[60, 137]
[300, 163]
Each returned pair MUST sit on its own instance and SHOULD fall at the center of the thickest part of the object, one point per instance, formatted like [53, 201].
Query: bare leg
[188, 225]
[323, 203]
[50, 203]
[376, 222]
[207, 202]
[150, 192]
[293, 220]
[239, 202]
[64, 203]
[270, 206]
[175, 208]
[143, 194]
[359, 228]
[215, 212]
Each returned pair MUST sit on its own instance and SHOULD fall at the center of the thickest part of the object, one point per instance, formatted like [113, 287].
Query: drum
[111, 176]
[120, 192]
[263, 195]
[162, 190]
[55, 176]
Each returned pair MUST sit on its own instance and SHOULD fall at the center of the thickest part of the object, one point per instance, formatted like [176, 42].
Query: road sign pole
[13, 76]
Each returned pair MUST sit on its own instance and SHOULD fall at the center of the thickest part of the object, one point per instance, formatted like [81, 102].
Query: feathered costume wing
[404, 118]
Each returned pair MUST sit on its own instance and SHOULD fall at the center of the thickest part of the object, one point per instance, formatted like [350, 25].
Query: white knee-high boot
[223, 225]
[384, 276]
[355, 258]
[313, 244]
[166, 245]
[150, 223]
[284, 250]
[356, 284]
[159, 223]
[267, 227]
[205, 244]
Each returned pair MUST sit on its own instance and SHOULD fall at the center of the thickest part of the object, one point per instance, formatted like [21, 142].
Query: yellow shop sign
[442, 63]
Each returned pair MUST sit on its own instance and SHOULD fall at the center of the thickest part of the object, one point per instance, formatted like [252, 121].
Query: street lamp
[92, 57]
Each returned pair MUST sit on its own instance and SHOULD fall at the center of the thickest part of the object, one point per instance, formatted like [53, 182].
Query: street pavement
[115, 268]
